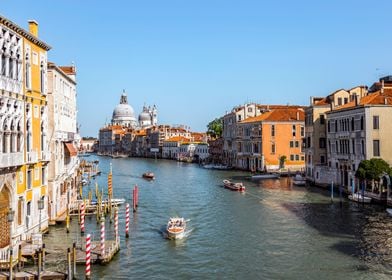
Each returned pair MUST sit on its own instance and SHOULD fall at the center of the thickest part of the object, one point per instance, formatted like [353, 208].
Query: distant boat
[176, 228]
[216, 166]
[359, 198]
[266, 176]
[239, 187]
[299, 180]
[149, 175]
[389, 210]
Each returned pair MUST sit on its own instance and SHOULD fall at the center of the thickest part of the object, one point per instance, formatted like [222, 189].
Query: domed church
[123, 113]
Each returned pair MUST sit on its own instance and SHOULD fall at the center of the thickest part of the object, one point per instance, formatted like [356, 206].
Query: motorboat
[149, 175]
[299, 180]
[266, 176]
[239, 187]
[359, 198]
[389, 210]
[176, 228]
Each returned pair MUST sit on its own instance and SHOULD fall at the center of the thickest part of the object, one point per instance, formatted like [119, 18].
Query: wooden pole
[20, 257]
[67, 221]
[74, 259]
[332, 191]
[69, 263]
[43, 257]
[39, 264]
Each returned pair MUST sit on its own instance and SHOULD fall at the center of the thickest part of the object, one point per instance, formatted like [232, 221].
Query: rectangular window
[376, 148]
[294, 130]
[250, 110]
[297, 157]
[322, 159]
[29, 179]
[273, 148]
[43, 176]
[28, 210]
[322, 119]
[20, 210]
[353, 145]
[376, 124]
[292, 157]
[272, 130]
[339, 101]
[329, 126]
[302, 131]
[297, 144]
[291, 144]
[322, 143]
[345, 100]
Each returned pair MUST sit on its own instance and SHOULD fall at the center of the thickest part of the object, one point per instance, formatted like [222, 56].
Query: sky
[197, 59]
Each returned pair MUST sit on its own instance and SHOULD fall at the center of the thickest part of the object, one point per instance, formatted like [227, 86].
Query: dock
[111, 249]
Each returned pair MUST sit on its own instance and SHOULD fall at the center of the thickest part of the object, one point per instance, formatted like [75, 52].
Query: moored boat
[176, 228]
[266, 176]
[239, 187]
[299, 180]
[359, 198]
[149, 175]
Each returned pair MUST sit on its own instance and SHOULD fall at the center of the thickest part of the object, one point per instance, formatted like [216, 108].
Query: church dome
[123, 113]
[144, 116]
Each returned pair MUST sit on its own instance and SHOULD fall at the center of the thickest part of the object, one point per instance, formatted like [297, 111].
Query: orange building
[272, 140]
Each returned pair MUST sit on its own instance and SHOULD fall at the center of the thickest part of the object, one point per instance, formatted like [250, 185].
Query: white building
[201, 151]
[64, 139]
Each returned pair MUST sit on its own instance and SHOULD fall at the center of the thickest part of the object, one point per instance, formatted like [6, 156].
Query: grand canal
[273, 231]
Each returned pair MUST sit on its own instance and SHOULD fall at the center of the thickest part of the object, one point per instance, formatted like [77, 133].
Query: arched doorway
[4, 224]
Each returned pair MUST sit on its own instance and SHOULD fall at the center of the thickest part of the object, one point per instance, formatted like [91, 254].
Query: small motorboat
[359, 198]
[149, 175]
[176, 228]
[266, 176]
[389, 210]
[299, 180]
[239, 187]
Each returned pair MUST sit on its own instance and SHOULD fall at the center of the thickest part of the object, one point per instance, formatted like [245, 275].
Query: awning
[71, 149]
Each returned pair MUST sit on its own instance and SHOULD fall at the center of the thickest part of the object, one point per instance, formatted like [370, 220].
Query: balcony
[11, 159]
[32, 157]
[45, 156]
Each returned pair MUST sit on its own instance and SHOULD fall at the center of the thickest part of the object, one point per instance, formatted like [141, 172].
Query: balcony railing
[32, 157]
[11, 159]
[5, 256]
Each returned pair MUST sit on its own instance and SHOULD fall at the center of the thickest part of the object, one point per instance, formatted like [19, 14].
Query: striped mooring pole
[88, 256]
[82, 214]
[127, 220]
[116, 224]
[102, 237]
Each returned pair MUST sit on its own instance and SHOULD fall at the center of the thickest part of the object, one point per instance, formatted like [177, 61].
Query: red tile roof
[279, 115]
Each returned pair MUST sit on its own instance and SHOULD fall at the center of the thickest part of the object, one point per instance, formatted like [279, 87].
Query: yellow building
[23, 138]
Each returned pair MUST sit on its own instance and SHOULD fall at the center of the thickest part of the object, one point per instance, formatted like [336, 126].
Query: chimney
[33, 27]
[382, 86]
[297, 116]
[385, 101]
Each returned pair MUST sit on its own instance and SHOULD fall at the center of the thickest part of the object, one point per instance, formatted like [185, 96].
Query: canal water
[273, 231]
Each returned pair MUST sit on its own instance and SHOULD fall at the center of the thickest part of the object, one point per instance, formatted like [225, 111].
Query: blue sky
[197, 59]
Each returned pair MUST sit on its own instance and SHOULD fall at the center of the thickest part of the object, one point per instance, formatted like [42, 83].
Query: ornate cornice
[16, 28]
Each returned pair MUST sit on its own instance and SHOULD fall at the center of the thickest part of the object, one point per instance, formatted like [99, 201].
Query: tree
[215, 128]
[372, 169]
